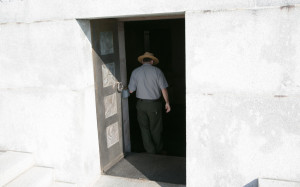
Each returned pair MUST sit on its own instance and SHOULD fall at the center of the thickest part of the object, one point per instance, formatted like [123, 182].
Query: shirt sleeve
[162, 82]
[132, 83]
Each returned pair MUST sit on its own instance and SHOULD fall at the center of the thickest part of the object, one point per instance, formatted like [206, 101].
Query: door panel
[108, 99]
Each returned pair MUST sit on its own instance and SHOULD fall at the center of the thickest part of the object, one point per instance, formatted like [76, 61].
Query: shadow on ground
[159, 168]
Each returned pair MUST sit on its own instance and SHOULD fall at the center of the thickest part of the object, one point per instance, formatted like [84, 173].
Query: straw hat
[148, 55]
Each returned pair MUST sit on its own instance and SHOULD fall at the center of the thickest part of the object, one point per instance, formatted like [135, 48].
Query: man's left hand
[168, 108]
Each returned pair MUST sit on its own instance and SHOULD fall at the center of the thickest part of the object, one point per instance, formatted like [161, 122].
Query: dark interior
[166, 39]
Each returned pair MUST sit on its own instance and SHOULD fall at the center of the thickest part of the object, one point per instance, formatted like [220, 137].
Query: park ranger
[150, 83]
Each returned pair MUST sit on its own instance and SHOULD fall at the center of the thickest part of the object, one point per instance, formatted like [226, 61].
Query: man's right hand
[168, 108]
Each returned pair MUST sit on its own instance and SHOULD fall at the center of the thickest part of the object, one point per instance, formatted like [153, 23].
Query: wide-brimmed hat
[148, 55]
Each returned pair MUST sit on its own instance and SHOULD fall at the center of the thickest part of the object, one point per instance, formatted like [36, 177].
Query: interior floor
[166, 39]
[159, 168]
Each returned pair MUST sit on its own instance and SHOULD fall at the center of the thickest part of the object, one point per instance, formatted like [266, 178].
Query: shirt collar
[147, 65]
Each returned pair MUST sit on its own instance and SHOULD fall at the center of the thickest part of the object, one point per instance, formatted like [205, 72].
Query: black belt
[149, 100]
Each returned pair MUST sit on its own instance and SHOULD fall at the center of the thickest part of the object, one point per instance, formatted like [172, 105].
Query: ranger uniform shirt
[147, 81]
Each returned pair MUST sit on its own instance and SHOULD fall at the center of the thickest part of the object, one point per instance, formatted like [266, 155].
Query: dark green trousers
[149, 115]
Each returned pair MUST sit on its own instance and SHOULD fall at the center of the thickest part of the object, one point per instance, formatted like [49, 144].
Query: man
[149, 83]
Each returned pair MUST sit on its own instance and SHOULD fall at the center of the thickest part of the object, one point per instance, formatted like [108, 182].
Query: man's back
[147, 81]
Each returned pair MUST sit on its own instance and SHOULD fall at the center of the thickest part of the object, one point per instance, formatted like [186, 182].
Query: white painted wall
[34, 10]
[236, 62]
[47, 103]
[239, 65]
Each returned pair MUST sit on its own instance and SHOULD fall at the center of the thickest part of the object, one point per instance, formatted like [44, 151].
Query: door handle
[123, 89]
[120, 87]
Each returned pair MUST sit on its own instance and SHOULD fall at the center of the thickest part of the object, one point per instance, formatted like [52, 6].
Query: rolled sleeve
[162, 82]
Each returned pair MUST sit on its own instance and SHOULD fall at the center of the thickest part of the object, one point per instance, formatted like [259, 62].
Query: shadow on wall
[85, 27]
[253, 183]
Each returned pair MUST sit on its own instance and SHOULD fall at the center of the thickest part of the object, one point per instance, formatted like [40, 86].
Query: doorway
[114, 40]
[166, 39]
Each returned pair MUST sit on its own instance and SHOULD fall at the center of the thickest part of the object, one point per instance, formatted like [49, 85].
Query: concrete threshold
[160, 168]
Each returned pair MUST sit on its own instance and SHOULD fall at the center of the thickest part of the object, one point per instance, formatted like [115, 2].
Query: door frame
[124, 101]
[123, 66]
[123, 74]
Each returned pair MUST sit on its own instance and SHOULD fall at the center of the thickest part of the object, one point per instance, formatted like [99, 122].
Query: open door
[107, 72]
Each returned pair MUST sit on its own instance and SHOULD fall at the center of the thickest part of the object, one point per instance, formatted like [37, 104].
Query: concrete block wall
[243, 96]
[242, 86]
[35, 10]
[47, 104]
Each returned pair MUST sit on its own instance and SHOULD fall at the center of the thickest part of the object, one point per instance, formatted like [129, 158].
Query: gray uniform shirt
[147, 81]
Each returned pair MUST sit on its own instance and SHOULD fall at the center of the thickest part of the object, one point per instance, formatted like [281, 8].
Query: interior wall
[167, 42]
[47, 104]
[243, 89]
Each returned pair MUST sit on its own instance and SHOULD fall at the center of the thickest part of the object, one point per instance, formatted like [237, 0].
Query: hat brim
[155, 60]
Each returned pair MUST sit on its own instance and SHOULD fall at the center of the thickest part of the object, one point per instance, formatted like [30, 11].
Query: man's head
[147, 61]
[148, 58]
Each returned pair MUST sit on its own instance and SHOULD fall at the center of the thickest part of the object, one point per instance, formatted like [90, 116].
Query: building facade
[242, 85]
